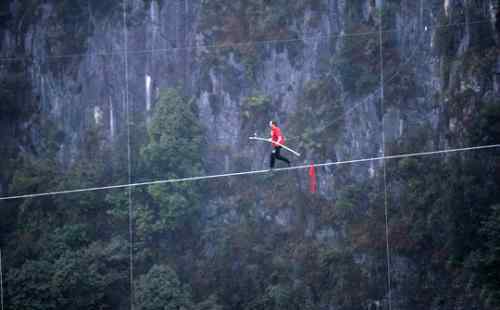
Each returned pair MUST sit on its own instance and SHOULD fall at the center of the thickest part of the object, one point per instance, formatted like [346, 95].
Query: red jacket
[276, 136]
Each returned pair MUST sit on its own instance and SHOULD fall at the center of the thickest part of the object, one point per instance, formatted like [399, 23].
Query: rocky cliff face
[345, 79]
[73, 58]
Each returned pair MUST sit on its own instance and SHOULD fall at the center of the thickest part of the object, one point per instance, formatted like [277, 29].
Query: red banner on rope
[312, 179]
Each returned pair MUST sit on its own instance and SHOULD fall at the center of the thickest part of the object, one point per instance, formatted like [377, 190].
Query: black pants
[276, 155]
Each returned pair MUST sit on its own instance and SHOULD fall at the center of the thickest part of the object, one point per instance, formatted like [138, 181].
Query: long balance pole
[270, 141]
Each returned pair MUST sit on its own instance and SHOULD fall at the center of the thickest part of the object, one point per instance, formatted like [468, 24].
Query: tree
[173, 151]
[160, 289]
[490, 259]
[68, 278]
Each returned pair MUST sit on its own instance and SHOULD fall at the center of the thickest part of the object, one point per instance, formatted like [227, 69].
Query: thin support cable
[129, 165]
[253, 172]
[386, 213]
[231, 45]
[391, 77]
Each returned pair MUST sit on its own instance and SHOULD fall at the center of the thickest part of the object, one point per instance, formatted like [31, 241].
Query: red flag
[312, 179]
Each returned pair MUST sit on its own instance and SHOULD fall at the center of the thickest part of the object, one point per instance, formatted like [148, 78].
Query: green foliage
[488, 129]
[174, 142]
[255, 106]
[62, 255]
[173, 151]
[176, 201]
[34, 176]
[359, 64]
[160, 289]
[30, 287]
[81, 278]
[279, 296]
[318, 121]
[435, 225]
[490, 259]
[343, 275]
[78, 278]
[237, 21]
[118, 201]
[209, 304]
[228, 22]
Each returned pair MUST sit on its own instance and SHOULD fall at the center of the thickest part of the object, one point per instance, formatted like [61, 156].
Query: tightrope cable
[232, 44]
[216, 176]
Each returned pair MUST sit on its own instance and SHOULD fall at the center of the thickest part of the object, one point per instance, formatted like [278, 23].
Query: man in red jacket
[276, 136]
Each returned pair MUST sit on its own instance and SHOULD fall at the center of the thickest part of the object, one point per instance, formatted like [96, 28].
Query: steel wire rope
[251, 172]
[395, 74]
[225, 45]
